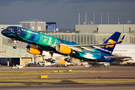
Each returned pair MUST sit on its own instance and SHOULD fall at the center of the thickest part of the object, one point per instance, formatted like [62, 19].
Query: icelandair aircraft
[39, 42]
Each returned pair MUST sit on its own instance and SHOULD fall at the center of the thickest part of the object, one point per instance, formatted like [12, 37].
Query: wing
[88, 47]
[99, 45]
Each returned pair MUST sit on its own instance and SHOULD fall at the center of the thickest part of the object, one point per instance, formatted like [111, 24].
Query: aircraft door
[18, 31]
[99, 56]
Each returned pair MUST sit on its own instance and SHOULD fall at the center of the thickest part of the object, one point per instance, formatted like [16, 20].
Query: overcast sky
[65, 12]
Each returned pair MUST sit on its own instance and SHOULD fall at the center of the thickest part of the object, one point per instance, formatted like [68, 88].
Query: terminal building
[89, 34]
[34, 25]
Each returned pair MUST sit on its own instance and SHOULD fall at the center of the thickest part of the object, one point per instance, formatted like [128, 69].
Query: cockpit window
[10, 29]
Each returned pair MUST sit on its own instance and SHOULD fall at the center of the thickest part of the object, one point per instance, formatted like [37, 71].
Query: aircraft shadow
[45, 83]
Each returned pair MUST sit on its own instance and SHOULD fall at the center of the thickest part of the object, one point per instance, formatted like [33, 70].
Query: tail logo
[110, 41]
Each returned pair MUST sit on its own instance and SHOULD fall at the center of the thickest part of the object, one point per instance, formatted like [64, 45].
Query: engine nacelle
[33, 50]
[63, 49]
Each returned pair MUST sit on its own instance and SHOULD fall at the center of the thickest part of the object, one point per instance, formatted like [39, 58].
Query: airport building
[39, 26]
[106, 28]
[34, 25]
[10, 56]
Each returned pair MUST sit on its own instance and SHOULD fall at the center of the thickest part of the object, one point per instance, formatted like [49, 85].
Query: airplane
[125, 52]
[39, 42]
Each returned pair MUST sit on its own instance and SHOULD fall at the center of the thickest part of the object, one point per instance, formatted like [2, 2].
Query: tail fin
[112, 39]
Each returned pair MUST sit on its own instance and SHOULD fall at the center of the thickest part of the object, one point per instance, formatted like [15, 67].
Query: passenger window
[11, 29]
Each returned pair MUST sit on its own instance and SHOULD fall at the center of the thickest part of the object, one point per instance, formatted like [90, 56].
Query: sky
[65, 12]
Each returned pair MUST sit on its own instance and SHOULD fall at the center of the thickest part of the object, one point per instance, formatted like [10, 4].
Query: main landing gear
[50, 59]
[68, 59]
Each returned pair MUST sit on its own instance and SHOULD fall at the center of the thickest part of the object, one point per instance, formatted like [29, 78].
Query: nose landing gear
[14, 44]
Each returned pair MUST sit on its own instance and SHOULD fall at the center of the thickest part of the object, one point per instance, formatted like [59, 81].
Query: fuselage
[45, 42]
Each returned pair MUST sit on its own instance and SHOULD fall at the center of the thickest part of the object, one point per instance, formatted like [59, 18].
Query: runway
[71, 87]
[111, 68]
[119, 72]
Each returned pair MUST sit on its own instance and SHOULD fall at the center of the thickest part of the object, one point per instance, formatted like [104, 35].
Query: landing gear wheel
[14, 47]
[68, 60]
[51, 60]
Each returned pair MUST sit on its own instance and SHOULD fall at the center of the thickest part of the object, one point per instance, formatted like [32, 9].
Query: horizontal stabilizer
[116, 57]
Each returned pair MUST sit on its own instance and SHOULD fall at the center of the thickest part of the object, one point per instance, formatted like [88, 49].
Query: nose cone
[4, 32]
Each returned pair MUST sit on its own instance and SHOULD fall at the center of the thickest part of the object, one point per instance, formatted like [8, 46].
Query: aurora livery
[39, 42]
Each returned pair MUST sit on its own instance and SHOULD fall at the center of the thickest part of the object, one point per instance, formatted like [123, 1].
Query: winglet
[121, 39]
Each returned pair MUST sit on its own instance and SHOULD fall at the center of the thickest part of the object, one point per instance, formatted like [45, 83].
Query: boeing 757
[39, 42]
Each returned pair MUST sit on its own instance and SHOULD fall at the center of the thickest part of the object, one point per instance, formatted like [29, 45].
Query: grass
[47, 72]
[36, 81]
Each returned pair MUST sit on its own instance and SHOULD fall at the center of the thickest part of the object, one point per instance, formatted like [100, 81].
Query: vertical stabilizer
[112, 39]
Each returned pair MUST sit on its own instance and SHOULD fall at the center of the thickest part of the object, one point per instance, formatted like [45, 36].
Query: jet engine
[63, 49]
[33, 50]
